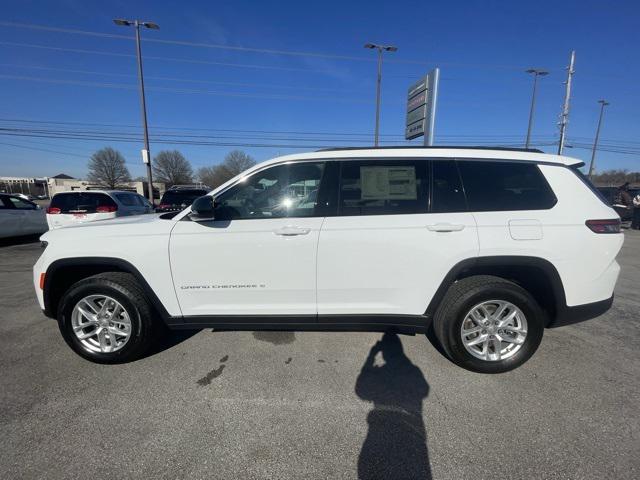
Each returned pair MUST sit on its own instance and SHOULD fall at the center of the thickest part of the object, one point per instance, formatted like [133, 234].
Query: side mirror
[202, 209]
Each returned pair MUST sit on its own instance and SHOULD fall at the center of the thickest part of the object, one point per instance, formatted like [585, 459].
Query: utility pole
[536, 73]
[146, 154]
[603, 103]
[564, 116]
[380, 48]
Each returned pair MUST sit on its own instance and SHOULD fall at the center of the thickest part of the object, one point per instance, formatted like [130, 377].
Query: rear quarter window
[607, 196]
[504, 186]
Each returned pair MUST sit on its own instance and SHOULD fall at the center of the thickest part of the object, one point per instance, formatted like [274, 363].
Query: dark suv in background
[178, 198]
[611, 195]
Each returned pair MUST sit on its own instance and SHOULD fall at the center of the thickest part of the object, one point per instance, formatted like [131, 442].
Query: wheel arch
[63, 273]
[536, 275]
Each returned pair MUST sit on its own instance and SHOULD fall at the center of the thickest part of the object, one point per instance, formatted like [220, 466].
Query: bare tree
[234, 163]
[170, 167]
[107, 167]
[615, 177]
[209, 176]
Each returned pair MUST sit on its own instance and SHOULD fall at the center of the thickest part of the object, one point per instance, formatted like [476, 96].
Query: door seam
[316, 265]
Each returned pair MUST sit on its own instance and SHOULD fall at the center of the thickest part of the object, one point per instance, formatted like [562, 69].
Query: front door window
[289, 190]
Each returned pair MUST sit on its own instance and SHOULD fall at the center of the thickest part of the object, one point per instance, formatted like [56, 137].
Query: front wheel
[488, 324]
[106, 318]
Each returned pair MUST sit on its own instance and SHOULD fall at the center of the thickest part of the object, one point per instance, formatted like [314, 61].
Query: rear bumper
[580, 313]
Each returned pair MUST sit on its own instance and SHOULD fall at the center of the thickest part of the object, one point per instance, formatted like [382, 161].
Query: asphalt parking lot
[317, 405]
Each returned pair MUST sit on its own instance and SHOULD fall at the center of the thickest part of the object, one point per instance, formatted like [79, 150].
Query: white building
[49, 186]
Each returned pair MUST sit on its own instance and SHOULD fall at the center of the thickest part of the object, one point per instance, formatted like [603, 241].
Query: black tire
[461, 297]
[124, 288]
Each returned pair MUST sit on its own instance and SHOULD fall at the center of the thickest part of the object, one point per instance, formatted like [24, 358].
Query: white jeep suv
[487, 247]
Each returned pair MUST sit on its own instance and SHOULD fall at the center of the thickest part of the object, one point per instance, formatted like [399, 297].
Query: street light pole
[536, 74]
[380, 48]
[603, 103]
[146, 154]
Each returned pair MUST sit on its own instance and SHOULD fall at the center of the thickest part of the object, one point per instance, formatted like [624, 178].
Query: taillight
[164, 205]
[604, 226]
[106, 209]
[53, 211]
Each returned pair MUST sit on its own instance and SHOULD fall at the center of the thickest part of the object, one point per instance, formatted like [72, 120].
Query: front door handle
[445, 227]
[290, 231]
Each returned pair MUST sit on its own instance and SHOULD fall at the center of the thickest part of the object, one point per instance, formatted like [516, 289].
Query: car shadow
[11, 241]
[396, 442]
[167, 339]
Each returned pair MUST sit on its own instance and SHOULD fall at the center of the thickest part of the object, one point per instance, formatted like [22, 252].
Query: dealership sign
[421, 107]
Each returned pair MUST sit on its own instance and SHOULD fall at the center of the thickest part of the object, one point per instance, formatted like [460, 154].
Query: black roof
[459, 147]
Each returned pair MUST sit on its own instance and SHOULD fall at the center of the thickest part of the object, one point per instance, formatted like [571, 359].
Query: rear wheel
[106, 318]
[488, 324]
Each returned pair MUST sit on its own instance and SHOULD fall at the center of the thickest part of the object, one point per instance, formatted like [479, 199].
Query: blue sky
[220, 95]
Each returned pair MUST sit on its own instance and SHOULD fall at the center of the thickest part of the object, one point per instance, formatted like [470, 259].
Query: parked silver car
[20, 217]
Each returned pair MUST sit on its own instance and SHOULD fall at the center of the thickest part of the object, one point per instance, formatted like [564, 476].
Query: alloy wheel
[494, 330]
[101, 324]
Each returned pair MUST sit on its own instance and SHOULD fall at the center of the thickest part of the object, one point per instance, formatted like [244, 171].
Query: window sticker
[388, 183]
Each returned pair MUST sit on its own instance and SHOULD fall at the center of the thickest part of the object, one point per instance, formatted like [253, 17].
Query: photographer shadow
[396, 442]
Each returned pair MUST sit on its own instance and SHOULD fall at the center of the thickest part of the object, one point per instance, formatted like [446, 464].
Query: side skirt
[318, 323]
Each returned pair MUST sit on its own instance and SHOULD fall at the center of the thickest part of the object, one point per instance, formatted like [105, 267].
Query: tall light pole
[146, 154]
[380, 48]
[536, 73]
[603, 103]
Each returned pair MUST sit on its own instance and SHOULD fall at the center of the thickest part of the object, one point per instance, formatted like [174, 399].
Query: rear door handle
[445, 227]
[290, 231]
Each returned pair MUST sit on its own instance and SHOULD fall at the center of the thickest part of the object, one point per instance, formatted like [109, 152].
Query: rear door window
[504, 186]
[5, 204]
[81, 202]
[21, 204]
[379, 187]
[447, 194]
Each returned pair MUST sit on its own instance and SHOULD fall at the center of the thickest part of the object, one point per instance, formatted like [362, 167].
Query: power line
[56, 122]
[183, 90]
[171, 59]
[242, 133]
[43, 150]
[92, 135]
[238, 133]
[269, 51]
[180, 141]
[187, 43]
[175, 79]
